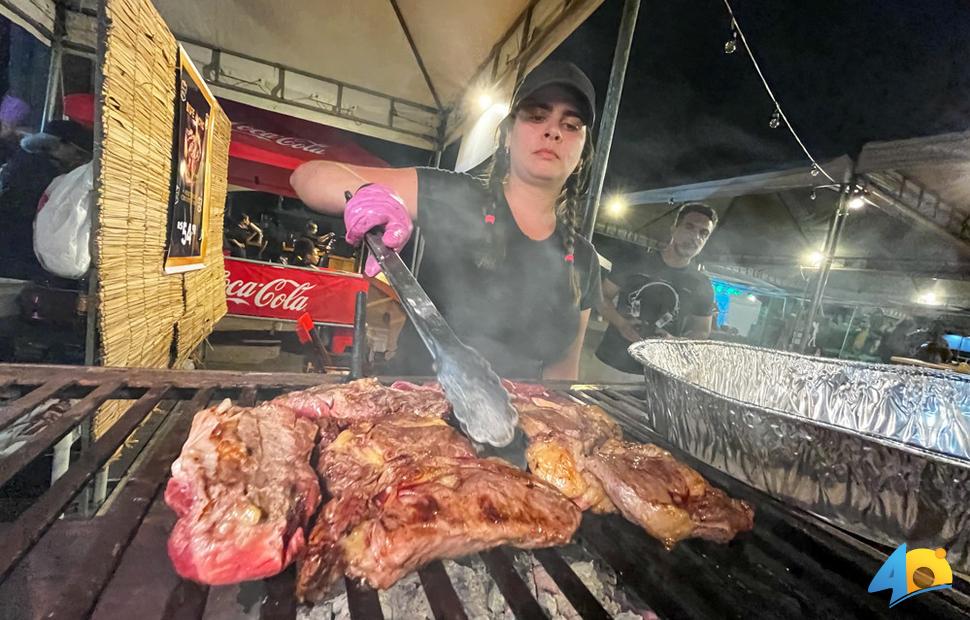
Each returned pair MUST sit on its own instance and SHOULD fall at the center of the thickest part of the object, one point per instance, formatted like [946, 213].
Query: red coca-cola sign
[284, 293]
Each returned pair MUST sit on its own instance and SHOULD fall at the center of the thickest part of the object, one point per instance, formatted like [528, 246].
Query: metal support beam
[831, 246]
[417, 54]
[55, 72]
[359, 353]
[402, 120]
[621, 55]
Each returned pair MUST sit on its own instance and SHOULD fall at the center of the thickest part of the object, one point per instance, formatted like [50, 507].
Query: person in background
[273, 237]
[504, 261]
[633, 285]
[238, 234]
[898, 341]
[934, 348]
[305, 254]
[41, 157]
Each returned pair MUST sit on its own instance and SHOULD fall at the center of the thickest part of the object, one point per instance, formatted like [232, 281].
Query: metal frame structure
[115, 564]
[401, 116]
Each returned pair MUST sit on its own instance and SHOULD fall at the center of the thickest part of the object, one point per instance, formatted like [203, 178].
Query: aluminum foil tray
[881, 451]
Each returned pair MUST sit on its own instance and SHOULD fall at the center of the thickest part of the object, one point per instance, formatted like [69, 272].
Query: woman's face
[547, 137]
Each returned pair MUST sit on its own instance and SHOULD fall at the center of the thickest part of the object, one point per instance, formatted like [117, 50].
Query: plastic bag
[62, 228]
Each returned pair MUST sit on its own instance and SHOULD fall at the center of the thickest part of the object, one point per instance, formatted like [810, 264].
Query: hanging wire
[744, 41]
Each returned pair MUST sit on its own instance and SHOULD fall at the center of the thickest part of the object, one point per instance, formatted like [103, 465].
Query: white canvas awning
[386, 68]
[34, 16]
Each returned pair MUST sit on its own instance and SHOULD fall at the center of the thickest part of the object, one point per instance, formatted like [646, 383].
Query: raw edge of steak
[243, 490]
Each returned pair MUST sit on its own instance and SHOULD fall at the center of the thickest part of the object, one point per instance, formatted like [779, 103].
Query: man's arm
[607, 309]
[697, 327]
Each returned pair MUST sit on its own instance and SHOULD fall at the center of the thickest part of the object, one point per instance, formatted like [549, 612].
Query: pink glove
[377, 205]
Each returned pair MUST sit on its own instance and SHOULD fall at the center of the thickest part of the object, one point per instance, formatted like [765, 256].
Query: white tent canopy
[402, 70]
[925, 181]
[921, 187]
[388, 68]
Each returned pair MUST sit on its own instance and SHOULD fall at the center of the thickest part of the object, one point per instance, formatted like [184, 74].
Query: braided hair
[569, 207]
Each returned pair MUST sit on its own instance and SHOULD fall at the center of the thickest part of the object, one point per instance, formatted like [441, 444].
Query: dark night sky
[845, 73]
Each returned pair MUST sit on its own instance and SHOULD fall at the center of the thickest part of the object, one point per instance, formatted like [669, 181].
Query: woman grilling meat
[503, 259]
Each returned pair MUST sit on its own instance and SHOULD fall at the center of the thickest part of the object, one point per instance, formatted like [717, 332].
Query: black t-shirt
[522, 315]
[696, 298]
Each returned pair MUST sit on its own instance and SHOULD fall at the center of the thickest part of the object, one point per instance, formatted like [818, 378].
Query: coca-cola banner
[284, 293]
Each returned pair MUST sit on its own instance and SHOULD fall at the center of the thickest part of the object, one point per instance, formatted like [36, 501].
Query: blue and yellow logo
[909, 573]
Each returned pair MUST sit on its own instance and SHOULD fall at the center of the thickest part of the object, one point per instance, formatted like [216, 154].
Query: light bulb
[775, 119]
[616, 207]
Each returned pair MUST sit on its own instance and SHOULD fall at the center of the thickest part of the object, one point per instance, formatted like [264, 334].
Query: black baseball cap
[563, 74]
[59, 131]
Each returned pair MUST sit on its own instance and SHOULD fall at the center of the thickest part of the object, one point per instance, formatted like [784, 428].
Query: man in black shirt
[658, 294]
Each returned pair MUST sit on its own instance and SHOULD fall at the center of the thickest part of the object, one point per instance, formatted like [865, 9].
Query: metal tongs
[482, 406]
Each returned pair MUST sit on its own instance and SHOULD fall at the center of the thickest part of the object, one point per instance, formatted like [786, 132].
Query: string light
[732, 44]
[816, 168]
[775, 119]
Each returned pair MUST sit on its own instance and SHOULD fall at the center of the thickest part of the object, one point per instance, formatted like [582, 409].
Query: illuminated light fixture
[928, 298]
[814, 259]
[484, 101]
[856, 202]
[752, 297]
[500, 109]
[616, 206]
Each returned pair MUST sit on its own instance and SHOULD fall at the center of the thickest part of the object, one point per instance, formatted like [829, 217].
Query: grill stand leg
[100, 487]
[62, 456]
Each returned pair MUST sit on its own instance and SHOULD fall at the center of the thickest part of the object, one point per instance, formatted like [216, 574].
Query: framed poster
[188, 211]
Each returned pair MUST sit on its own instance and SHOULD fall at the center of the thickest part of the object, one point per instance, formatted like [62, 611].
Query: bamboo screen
[147, 318]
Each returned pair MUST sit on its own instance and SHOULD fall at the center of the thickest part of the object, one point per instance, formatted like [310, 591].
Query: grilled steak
[580, 451]
[243, 490]
[366, 399]
[359, 454]
[561, 432]
[441, 507]
[410, 490]
[665, 497]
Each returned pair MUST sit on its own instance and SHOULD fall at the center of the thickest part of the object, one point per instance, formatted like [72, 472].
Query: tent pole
[611, 107]
[831, 247]
[848, 329]
[55, 71]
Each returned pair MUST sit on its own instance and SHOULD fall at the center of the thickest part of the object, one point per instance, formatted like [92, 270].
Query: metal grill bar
[29, 527]
[363, 601]
[120, 524]
[571, 586]
[247, 397]
[799, 564]
[53, 431]
[516, 593]
[441, 595]
[640, 575]
[791, 565]
[280, 603]
[145, 586]
[24, 404]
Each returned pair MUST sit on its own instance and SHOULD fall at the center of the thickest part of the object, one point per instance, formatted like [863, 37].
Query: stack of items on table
[402, 488]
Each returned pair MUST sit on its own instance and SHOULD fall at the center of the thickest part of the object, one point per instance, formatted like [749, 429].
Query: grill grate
[115, 564]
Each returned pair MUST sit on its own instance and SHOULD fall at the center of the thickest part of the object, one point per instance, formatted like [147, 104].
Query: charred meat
[366, 399]
[410, 490]
[426, 509]
[668, 499]
[580, 451]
